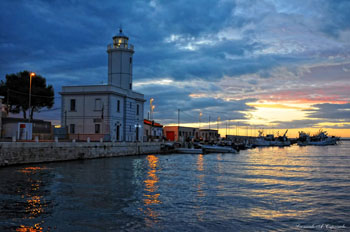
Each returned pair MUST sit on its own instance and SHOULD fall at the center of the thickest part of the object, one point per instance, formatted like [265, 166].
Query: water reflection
[200, 168]
[219, 170]
[151, 182]
[255, 190]
[32, 192]
[200, 193]
[151, 197]
[279, 176]
[35, 228]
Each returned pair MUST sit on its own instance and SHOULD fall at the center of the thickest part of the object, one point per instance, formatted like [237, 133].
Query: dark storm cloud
[169, 99]
[337, 16]
[331, 111]
[305, 123]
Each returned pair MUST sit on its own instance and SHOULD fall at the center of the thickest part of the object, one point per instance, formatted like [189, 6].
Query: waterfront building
[152, 130]
[23, 130]
[112, 111]
[209, 134]
[181, 134]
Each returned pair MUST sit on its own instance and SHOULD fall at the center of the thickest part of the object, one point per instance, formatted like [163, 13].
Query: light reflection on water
[151, 195]
[259, 189]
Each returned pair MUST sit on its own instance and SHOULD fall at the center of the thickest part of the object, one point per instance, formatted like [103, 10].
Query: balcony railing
[125, 46]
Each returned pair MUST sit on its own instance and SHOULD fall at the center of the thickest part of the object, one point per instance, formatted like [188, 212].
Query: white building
[113, 111]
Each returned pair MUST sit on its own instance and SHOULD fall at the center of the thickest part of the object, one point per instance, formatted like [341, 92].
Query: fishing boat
[262, 141]
[270, 140]
[320, 139]
[282, 141]
[189, 150]
[217, 149]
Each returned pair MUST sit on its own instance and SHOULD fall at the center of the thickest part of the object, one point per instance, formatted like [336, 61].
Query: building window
[72, 105]
[130, 85]
[97, 128]
[118, 106]
[137, 109]
[72, 128]
[98, 104]
[130, 105]
[129, 128]
[130, 60]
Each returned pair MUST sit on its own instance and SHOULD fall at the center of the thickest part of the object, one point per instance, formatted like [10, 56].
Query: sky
[246, 65]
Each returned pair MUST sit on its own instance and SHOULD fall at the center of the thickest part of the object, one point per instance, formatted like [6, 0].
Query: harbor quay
[14, 153]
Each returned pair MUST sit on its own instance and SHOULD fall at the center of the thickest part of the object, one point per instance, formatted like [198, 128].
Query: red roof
[149, 122]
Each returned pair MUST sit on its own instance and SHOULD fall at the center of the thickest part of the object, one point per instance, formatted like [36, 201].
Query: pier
[12, 153]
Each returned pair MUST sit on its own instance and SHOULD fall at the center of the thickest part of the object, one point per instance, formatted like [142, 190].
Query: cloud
[225, 52]
[322, 116]
[304, 123]
[168, 99]
[331, 112]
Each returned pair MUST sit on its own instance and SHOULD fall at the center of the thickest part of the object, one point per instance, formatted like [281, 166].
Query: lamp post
[137, 126]
[151, 108]
[31, 75]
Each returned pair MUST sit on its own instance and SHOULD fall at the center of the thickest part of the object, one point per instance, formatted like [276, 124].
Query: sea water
[281, 189]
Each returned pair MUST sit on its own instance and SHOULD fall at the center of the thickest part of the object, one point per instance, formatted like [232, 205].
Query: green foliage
[16, 92]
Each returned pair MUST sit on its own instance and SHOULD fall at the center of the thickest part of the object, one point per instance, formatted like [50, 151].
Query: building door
[137, 133]
[118, 132]
[170, 135]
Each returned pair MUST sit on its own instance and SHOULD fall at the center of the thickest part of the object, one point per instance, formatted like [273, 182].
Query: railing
[129, 46]
[85, 137]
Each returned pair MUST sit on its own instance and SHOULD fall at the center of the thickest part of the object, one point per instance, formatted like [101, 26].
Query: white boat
[282, 143]
[188, 150]
[321, 139]
[217, 149]
[270, 140]
[261, 142]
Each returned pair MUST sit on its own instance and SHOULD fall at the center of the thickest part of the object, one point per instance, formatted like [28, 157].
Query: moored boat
[217, 149]
[189, 150]
[320, 139]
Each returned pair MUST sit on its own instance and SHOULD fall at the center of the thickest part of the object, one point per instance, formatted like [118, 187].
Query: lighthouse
[112, 112]
[120, 55]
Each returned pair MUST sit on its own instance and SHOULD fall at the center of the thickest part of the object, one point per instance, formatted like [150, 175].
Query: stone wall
[12, 153]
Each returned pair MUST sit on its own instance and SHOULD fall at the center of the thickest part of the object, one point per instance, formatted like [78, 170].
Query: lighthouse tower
[120, 61]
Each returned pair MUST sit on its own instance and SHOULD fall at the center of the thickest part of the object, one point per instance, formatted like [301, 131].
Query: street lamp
[137, 126]
[31, 75]
[151, 107]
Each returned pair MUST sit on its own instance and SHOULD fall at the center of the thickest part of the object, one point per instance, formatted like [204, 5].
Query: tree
[16, 92]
